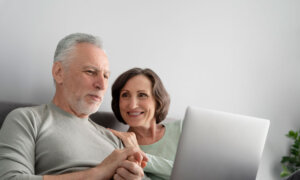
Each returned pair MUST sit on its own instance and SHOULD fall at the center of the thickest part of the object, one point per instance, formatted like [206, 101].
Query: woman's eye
[143, 95]
[124, 95]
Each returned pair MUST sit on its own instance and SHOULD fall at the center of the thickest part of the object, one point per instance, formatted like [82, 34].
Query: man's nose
[100, 82]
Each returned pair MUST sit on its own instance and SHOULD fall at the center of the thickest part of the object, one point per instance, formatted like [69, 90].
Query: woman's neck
[148, 135]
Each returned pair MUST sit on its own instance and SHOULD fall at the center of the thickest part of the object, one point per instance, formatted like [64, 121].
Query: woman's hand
[129, 140]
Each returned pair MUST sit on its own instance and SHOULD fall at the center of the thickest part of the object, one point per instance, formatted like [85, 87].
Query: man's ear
[57, 72]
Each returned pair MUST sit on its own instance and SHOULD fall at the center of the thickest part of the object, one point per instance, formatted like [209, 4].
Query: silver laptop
[216, 145]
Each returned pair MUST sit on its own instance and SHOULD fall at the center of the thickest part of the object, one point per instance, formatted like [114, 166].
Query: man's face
[84, 81]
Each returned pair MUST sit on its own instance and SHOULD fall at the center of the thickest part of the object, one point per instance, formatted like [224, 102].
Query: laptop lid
[217, 145]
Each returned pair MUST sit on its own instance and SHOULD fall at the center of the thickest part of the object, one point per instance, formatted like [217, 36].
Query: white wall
[240, 56]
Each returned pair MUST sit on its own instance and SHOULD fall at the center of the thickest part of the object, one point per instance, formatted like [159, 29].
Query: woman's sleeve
[159, 166]
[17, 147]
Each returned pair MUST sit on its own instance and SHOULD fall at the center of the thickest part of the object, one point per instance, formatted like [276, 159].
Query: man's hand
[129, 140]
[129, 170]
[112, 162]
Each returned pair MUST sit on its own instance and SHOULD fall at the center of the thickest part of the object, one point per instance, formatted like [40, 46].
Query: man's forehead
[105, 69]
[88, 55]
[86, 49]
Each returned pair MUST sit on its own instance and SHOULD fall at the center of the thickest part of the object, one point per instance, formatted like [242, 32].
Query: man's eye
[89, 72]
[106, 76]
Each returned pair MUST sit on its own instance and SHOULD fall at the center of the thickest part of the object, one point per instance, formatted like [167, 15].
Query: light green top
[40, 140]
[162, 153]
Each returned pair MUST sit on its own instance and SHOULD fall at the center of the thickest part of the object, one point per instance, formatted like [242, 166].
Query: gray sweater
[40, 140]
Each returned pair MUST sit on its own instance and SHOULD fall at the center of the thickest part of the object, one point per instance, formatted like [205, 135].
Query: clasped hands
[139, 157]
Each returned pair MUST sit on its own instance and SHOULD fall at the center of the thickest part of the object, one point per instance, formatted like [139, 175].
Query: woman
[140, 100]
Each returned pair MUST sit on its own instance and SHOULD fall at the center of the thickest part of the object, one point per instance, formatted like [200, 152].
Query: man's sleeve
[17, 146]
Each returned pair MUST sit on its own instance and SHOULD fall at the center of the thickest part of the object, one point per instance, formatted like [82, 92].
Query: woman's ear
[57, 72]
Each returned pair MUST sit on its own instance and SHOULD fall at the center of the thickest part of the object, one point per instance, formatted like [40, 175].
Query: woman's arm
[159, 166]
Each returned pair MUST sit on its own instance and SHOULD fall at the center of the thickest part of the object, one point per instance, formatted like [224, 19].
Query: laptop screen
[217, 145]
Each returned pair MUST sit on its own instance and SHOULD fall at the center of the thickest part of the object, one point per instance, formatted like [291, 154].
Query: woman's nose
[133, 103]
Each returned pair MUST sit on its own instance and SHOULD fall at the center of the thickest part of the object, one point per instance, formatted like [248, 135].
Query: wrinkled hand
[119, 159]
[129, 170]
[129, 140]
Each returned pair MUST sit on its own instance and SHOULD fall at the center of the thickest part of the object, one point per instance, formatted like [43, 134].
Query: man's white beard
[82, 107]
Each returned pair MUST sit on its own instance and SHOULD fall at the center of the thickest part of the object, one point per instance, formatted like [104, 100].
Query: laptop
[218, 145]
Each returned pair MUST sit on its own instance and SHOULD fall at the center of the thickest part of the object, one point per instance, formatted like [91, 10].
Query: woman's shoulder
[174, 124]
[173, 129]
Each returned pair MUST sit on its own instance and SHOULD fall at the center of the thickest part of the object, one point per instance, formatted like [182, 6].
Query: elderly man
[58, 140]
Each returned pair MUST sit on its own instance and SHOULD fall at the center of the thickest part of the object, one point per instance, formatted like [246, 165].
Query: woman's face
[137, 104]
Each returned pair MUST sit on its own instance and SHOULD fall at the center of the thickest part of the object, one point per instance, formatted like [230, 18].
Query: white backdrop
[240, 56]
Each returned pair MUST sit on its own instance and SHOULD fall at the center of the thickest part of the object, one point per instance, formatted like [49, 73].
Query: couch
[106, 119]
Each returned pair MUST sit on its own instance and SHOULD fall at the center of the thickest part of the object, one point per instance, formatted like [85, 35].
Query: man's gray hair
[68, 43]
